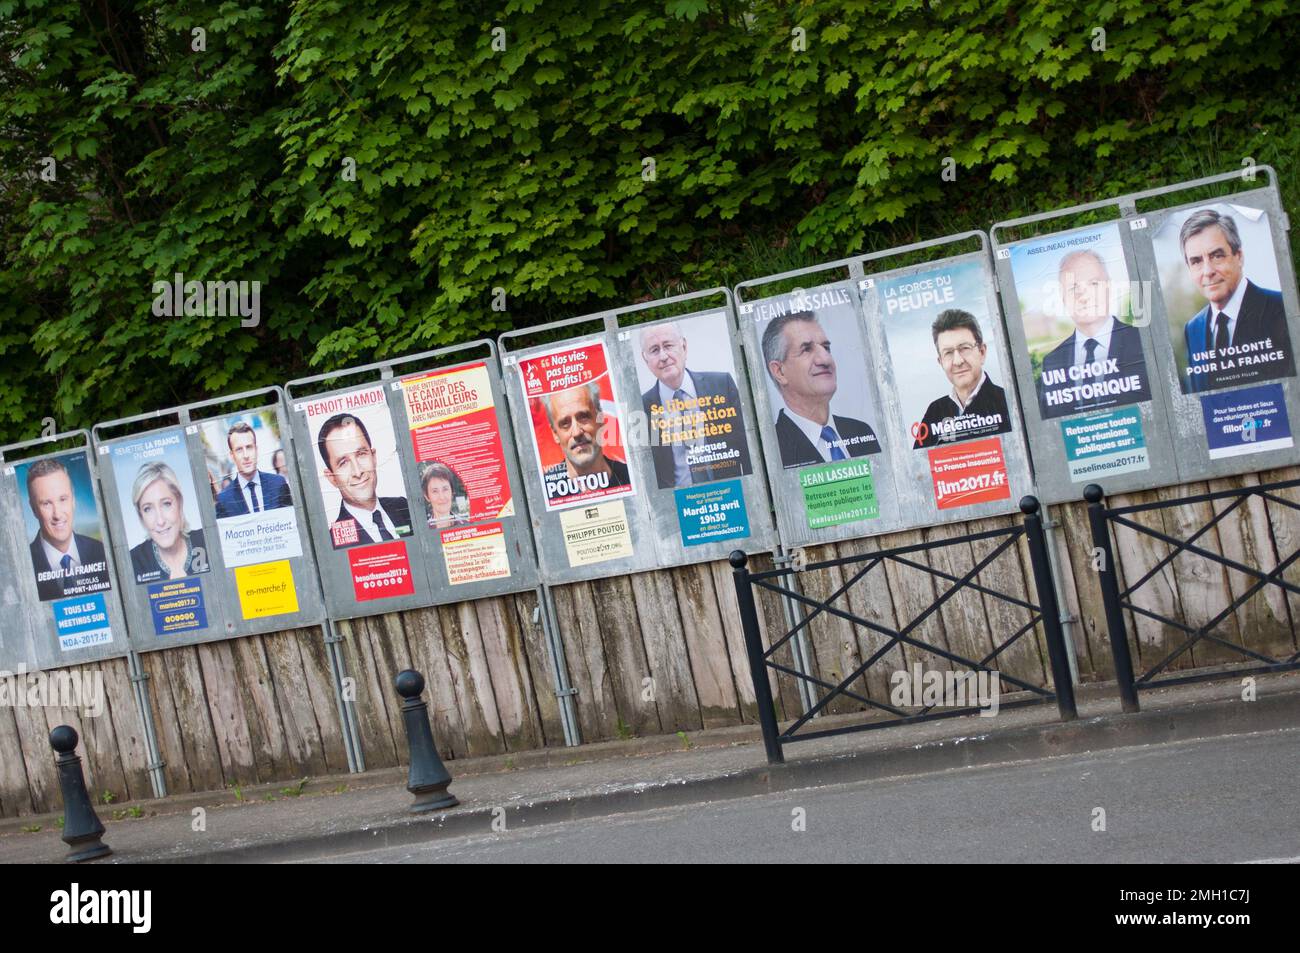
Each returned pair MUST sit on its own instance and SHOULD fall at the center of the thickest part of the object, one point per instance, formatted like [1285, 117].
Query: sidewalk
[365, 811]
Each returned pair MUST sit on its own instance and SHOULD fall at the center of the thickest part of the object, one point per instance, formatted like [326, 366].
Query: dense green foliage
[523, 168]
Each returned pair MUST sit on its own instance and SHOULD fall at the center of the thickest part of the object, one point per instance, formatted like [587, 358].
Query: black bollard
[428, 778]
[82, 829]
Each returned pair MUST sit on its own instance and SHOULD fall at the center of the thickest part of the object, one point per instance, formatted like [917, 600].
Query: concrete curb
[1099, 733]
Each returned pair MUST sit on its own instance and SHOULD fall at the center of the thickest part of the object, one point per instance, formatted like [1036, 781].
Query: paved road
[1212, 801]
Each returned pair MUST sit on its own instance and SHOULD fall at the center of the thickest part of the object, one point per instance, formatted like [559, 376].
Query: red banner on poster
[454, 428]
[968, 473]
[381, 571]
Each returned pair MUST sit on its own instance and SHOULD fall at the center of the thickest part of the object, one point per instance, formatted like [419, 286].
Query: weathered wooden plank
[870, 599]
[470, 679]
[1263, 622]
[318, 683]
[512, 686]
[390, 655]
[429, 657]
[15, 793]
[525, 606]
[1012, 573]
[597, 710]
[644, 708]
[774, 624]
[1136, 553]
[733, 635]
[1081, 586]
[1202, 583]
[303, 749]
[229, 720]
[100, 750]
[833, 639]
[659, 622]
[706, 646]
[914, 592]
[194, 742]
[34, 739]
[128, 728]
[373, 726]
[965, 621]
[1284, 531]
[254, 688]
[171, 746]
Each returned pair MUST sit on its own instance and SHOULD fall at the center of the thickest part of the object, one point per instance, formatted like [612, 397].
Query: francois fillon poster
[949, 379]
[1221, 281]
[690, 402]
[1091, 370]
[578, 448]
[464, 484]
[822, 415]
[68, 556]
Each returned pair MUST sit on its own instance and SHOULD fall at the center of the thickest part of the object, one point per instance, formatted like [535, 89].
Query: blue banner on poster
[82, 622]
[712, 513]
[1250, 420]
[177, 606]
[1101, 445]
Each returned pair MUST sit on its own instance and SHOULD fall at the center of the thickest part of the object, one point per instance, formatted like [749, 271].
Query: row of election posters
[1101, 317]
[646, 427]
[410, 470]
[886, 401]
[194, 532]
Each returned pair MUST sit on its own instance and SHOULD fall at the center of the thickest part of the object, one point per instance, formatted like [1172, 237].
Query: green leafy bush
[381, 167]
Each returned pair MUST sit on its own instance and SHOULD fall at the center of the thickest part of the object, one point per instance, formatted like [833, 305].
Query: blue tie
[252, 491]
[66, 563]
[833, 439]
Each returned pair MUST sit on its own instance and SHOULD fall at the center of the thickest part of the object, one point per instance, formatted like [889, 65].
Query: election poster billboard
[248, 477]
[67, 541]
[575, 425]
[1220, 283]
[58, 598]
[1079, 312]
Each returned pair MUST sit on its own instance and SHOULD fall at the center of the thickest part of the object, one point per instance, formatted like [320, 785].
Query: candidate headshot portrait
[171, 549]
[446, 502]
[1077, 306]
[1220, 280]
[577, 426]
[241, 452]
[687, 371]
[976, 406]
[815, 420]
[352, 467]
[66, 551]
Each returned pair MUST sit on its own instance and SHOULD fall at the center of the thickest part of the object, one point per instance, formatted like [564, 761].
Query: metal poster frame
[652, 514]
[1172, 423]
[30, 634]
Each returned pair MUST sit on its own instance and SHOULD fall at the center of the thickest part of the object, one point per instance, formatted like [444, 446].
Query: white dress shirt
[366, 519]
[1102, 338]
[55, 558]
[813, 431]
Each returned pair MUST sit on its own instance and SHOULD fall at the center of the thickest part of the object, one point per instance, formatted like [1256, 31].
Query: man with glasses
[976, 407]
[350, 467]
[696, 426]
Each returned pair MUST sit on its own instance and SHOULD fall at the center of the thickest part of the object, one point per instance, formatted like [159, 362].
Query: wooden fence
[650, 653]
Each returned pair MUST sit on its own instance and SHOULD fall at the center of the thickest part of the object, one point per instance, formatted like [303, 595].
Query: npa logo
[77, 906]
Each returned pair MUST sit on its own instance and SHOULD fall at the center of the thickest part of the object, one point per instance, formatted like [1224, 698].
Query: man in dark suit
[977, 407]
[797, 353]
[1238, 313]
[680, 404]
[66, 563]
[350, 467]
[578, 428]
[1101, 364]
[253, 490]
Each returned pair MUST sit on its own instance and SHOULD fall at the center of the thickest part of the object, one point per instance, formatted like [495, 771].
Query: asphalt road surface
[1218, 800]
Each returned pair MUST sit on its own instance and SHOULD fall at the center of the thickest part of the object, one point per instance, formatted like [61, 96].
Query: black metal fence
[1045, 611]
[1116, 600]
